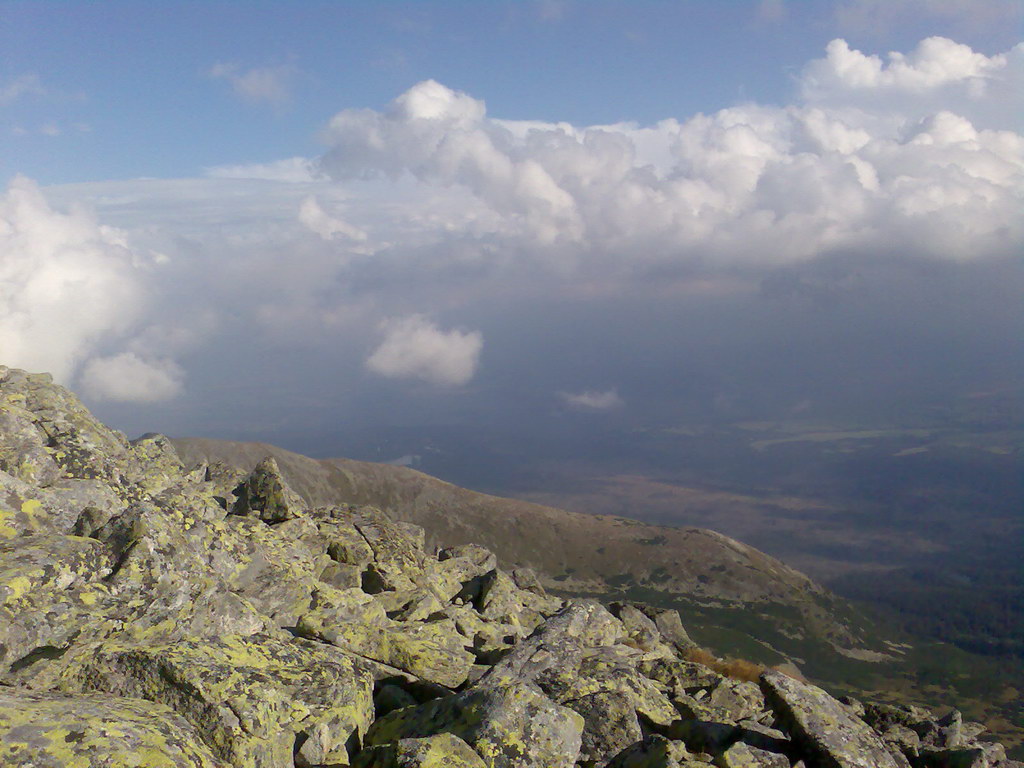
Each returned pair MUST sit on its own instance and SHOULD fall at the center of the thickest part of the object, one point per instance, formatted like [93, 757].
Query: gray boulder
[822, 727]
[508, 725]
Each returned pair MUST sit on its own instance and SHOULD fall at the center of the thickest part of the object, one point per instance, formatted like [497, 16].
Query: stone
[976, 756]
[654, 751]
[157, 462]
[49, 596]
[445, 750]
[54, 730]
[23, 450]
[266, 495]
[255, 701]
[387, 552]
[741, 755]
[822, 727]
[741, 699]
[704, 735]
[679, 676]
[610, 724]
[350, 619]
[640, 630]
[560, 641]
[508, 725]
[153, 615]
[75, 440]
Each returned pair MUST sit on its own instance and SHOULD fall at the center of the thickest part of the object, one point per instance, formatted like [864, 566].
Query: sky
[266, 219]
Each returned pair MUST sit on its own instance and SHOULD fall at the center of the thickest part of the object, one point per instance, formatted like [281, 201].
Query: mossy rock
[266, 495]
[50, 595]
[433, 651]
[655, 752]
[822, 727]
[509, 726]
[255, 701]
[610, 724]
[444, 750]
[53, 730]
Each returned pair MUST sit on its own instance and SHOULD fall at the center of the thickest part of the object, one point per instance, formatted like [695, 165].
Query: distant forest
[982, 613]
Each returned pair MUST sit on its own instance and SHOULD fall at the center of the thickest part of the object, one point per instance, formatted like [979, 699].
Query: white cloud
[415, 348]
[594, 400]
[442, 137]
[13, 89]
[259, 85]
[750, 185]
[328, 227]
[66, 283]
[934, 63]
[128, 377]
[70, 291]
[938, 75]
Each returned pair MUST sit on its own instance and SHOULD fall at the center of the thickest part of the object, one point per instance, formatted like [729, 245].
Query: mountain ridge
[559, 544]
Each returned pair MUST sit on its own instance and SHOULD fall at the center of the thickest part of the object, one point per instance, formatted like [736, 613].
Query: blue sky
[128, 84]
[254, 219]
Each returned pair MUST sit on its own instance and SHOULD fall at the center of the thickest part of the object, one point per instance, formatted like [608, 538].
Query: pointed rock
[266, 495]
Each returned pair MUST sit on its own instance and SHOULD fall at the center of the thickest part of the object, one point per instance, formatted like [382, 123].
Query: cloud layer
[432, 208]
[749, 185]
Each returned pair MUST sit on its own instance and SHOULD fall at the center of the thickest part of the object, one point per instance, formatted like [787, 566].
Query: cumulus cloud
[415, 348]
[128, 377]
[443, 137]
[593, 400]
[70, 291]
[258, 85]
[751, 184]
[66, 283]
[935, 62]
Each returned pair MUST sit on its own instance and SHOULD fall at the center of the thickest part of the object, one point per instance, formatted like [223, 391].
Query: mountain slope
[573, 552]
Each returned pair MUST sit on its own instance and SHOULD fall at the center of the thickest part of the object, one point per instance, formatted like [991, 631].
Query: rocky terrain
[570, 551]
[159, 613]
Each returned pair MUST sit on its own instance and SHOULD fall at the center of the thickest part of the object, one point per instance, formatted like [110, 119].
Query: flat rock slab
[823, 727]
[250, 699]
[49, 730]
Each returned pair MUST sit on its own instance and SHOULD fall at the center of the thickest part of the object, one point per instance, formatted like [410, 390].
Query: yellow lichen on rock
[50, 730]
